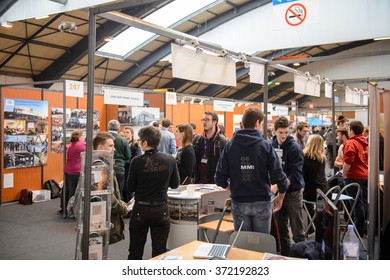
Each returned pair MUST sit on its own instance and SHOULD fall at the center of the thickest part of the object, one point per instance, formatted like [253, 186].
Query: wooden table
[187, 250]
[228, 217]
[226, 227]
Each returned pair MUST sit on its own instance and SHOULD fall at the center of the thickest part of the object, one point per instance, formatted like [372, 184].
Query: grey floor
[39, 232]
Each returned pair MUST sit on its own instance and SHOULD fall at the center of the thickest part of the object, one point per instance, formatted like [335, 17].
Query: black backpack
[53, 187]
[26, 197]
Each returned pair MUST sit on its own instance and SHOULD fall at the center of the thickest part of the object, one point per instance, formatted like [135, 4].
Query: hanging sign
[328, 89]
[74, 88]
[224, 106]
[122, 97]
[170, 98]
[295, 14]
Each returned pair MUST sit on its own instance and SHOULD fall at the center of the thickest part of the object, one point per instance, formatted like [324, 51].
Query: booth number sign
[74, 88]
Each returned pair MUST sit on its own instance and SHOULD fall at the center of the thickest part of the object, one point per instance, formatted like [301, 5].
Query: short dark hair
[193, 125]
[213, 115]
[150, 134]
[166, 123]
[341, 119]
[357, 127]
[343, 131]
[301, 125]
[281, 122]
[101, 138]
[251, 115]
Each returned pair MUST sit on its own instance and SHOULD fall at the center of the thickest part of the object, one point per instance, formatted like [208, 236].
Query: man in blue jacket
[247, 166]
[292, 158]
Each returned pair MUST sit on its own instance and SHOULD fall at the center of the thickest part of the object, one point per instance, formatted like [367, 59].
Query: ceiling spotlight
[228, 58]
[67, 26]
[271, 73]
[198, 50]
[108, 39]
[201, 102]
[182, 101]
[277, 83]
[192, 101]
[296, 64]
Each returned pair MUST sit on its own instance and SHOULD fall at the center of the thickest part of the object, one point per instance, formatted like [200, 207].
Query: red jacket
[355, 154]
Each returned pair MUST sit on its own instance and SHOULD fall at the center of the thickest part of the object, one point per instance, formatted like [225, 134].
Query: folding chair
[334, 190]
[342, 198]
[228, 205]
[215, 223]
[255, 241]
[204, 234]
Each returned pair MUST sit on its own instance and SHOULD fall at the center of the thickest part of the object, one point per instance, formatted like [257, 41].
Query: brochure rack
[101, 190]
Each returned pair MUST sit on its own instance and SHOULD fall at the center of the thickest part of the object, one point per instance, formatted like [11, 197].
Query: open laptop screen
[327, 226]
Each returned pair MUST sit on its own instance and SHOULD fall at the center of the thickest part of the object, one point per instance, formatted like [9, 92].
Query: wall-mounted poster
[56, 129]
[142, 116]
[25, 133]
[124, 115]
[75, 119]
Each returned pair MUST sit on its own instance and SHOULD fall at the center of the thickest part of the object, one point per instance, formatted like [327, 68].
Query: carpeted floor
[39, 232]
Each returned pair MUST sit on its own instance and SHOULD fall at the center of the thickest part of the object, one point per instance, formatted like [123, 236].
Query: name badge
[204, 160]
[280, 153]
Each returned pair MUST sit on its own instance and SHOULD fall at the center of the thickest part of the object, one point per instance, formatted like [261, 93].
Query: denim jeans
[291, 211]
[256, 216]
[360, 213]
[142, 218]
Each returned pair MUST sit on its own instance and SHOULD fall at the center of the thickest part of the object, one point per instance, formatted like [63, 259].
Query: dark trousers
[70, 187]
[121, 182]
[142, 218]
[360, 213]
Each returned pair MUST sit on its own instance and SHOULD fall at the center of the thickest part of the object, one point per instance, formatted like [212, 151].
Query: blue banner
[278, 2]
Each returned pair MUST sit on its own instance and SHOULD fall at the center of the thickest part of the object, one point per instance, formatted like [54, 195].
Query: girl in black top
[313, 170]
[185, 156]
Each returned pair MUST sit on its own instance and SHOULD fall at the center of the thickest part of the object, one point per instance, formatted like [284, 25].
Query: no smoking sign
[295, 14]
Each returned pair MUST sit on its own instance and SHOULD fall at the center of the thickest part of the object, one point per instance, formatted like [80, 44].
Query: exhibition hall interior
[73, 68]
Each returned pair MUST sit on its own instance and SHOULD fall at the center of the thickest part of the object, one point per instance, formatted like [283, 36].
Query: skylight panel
[124, 43]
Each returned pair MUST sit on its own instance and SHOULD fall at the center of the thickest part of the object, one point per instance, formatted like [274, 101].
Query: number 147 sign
[74, 88]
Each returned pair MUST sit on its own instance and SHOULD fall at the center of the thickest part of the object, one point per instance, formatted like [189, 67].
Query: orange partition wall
[157, 100]
[196, 114]
[22, 177]
[180, 114]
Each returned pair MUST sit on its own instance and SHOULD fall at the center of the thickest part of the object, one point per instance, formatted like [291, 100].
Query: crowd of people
[268, 176]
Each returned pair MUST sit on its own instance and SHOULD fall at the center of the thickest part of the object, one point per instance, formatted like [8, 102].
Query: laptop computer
[210, 250]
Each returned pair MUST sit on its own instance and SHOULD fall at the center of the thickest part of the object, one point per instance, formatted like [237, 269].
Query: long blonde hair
[314, 148]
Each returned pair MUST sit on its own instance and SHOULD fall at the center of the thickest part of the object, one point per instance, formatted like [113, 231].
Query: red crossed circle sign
[295, 14]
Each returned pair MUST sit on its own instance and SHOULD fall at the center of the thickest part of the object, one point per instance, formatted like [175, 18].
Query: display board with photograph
[25, 133]
[75, 119]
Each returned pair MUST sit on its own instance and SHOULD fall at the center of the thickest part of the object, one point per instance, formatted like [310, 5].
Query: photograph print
[25, 133]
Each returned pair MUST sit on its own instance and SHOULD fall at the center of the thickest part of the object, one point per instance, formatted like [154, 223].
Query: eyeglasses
[205, 120]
